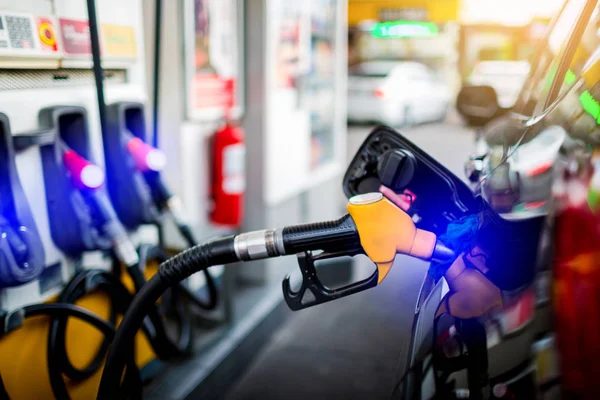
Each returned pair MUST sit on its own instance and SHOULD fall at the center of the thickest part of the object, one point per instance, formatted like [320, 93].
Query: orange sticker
[46, 34]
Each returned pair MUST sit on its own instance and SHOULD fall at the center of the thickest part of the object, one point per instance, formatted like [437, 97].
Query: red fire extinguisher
[577, 278]
[229, 170]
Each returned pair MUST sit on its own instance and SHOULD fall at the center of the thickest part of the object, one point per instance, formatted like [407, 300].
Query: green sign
[404, 29]
[590, 105]
[588, 102]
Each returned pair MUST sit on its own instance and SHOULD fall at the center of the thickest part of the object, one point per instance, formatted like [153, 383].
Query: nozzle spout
[442, 253]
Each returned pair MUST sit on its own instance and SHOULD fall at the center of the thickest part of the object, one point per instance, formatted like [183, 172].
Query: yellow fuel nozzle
[386, 230]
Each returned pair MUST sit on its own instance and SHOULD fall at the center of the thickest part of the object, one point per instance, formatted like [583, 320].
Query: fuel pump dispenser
[127, 187]
[73, 212]
[81, 219]
[133, 166]
[135, 184]
[126, 148]
[67, 173]
[70, 182]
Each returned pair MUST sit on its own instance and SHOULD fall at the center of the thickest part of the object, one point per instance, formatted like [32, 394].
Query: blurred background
[306, 81]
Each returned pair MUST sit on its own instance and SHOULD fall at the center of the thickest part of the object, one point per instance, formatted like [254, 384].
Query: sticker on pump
[119, 40]
[234, 162]
[47, 34]
[17, 32]
[23, 34]
[75, 36]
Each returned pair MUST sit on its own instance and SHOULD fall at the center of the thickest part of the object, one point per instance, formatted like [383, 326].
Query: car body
[523, 157]
[506, 77]
[396, 93]
[437, 197]
[520, 166]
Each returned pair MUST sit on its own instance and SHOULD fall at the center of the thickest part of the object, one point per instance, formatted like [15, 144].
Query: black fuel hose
[57, 358]
[167, 201]
[83, 283]
[184, 344]
[220, 251]
[156, 74]
[327, 236]
[213, 294]
[124, 253]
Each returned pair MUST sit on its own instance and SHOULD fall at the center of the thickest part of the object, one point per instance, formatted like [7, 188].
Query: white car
[506, 77]
[396, 93]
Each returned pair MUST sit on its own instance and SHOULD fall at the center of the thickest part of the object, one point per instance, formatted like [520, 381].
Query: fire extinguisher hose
[327, 236]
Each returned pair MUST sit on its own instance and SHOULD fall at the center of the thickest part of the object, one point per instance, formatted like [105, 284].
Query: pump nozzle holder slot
[126, 160]
[38, 138]
[69, 171]
[22, 257]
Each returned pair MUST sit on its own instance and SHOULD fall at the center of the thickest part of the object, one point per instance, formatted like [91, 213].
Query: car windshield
[577, 108]
[524, 145]
[552, 60]
[534, 95]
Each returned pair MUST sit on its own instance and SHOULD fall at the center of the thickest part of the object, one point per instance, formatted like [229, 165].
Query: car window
[544, 69]
[374, 69]
[423, 76]
[417, 75]
[406, 72]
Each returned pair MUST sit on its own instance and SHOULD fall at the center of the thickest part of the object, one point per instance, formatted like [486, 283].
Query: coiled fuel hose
[10, 321]
[85, 282]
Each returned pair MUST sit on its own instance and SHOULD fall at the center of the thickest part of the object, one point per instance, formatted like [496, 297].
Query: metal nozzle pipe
[442, 253]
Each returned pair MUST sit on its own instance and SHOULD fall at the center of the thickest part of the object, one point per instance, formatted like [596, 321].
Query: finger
[403, 201]
[478, 258]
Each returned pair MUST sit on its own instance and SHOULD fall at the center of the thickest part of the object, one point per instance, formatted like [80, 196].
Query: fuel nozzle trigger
[312, 291]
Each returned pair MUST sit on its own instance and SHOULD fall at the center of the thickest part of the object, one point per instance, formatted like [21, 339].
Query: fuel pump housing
[127, 187]
[70, 219]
